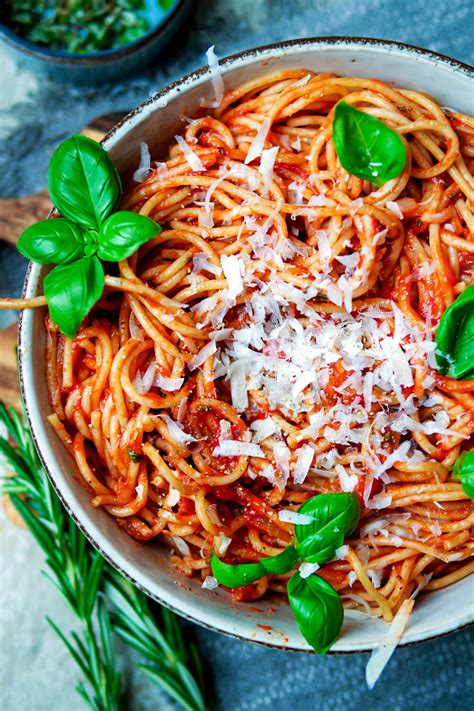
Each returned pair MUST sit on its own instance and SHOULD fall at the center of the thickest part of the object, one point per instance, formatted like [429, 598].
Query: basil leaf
[455, 338]
[83, 182]
[234, 576]
[464, 471]
[321, 547]
[281, 563]
[317, 609]
[123, 233]
[334, 517]
[55, 241]
[365, 146]
[71, 291]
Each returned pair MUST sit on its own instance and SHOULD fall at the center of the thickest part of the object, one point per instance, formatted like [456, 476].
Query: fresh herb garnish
[79, 27]
[85, 187]
[72, 290]
[135, 456]
[316, 605]
[281, 563]
[464, 471]
[317, 609]
[334, 516]
[365, 146]
[234, 576]
[52, 242]
[104, 603]
[455, 338]
[83, 182]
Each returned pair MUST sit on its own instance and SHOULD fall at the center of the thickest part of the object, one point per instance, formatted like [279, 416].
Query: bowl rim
[62, 57]
[24, 329]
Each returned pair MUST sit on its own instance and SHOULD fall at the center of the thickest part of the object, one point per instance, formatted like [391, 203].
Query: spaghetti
[276, 341]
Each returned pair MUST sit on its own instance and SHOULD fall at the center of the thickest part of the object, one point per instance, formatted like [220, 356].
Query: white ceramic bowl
[146, 565]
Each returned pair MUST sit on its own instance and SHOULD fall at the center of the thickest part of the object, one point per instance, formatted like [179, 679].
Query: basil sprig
[455, 338]
[234, 576]
[464, 471]
[365, 146]
[85, 188]
[315, 604]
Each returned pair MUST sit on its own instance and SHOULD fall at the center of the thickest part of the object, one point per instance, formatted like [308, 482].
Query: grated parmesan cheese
[267, 161]
[201, 356]
[192, 158]
[307, 569]
[176, 430]
[143, 170]
[236, 448]
[210, 583]
[304, 459]
[168, 384]
[216, 80]
[258, 143]
[288, 516]
[381, 654]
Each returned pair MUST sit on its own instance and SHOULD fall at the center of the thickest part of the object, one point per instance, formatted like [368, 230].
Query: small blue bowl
[98, 67]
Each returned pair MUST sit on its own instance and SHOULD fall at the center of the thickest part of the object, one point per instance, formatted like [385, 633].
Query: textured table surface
[35, 671]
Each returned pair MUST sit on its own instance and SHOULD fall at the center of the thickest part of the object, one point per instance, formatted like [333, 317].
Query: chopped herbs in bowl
[79, 26]
[69, 39]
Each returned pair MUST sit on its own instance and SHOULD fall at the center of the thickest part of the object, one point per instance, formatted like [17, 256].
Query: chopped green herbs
[82, 26]
[135, 456]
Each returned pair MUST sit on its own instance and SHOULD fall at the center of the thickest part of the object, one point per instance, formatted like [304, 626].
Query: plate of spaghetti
[271, 399]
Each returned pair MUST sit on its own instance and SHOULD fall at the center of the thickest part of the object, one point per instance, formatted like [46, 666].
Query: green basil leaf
[455, 338]
[464, 471]
[317, 609]
[123, 233]
[55, 241]
[234, 576]
[91, 239]
[71, 291]
[281, 563]
[365, 146]
[320, 548]
[334, 516]
[83, 182]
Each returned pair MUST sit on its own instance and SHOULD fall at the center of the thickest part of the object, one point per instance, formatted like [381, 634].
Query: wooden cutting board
[16, 215]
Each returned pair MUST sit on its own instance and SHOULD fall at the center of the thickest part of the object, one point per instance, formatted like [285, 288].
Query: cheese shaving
[381, 655]
[288, 516]
[192, 158]
[216, 80]
[258, 143]
[176, 430]
[143, 170]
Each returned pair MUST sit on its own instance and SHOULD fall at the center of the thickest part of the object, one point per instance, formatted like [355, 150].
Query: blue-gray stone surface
[36, 672]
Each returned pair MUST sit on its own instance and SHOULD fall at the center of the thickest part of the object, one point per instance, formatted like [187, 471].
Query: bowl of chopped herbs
[87, 41]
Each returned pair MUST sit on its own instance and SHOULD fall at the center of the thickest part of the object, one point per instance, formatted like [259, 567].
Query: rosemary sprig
[102, 600]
